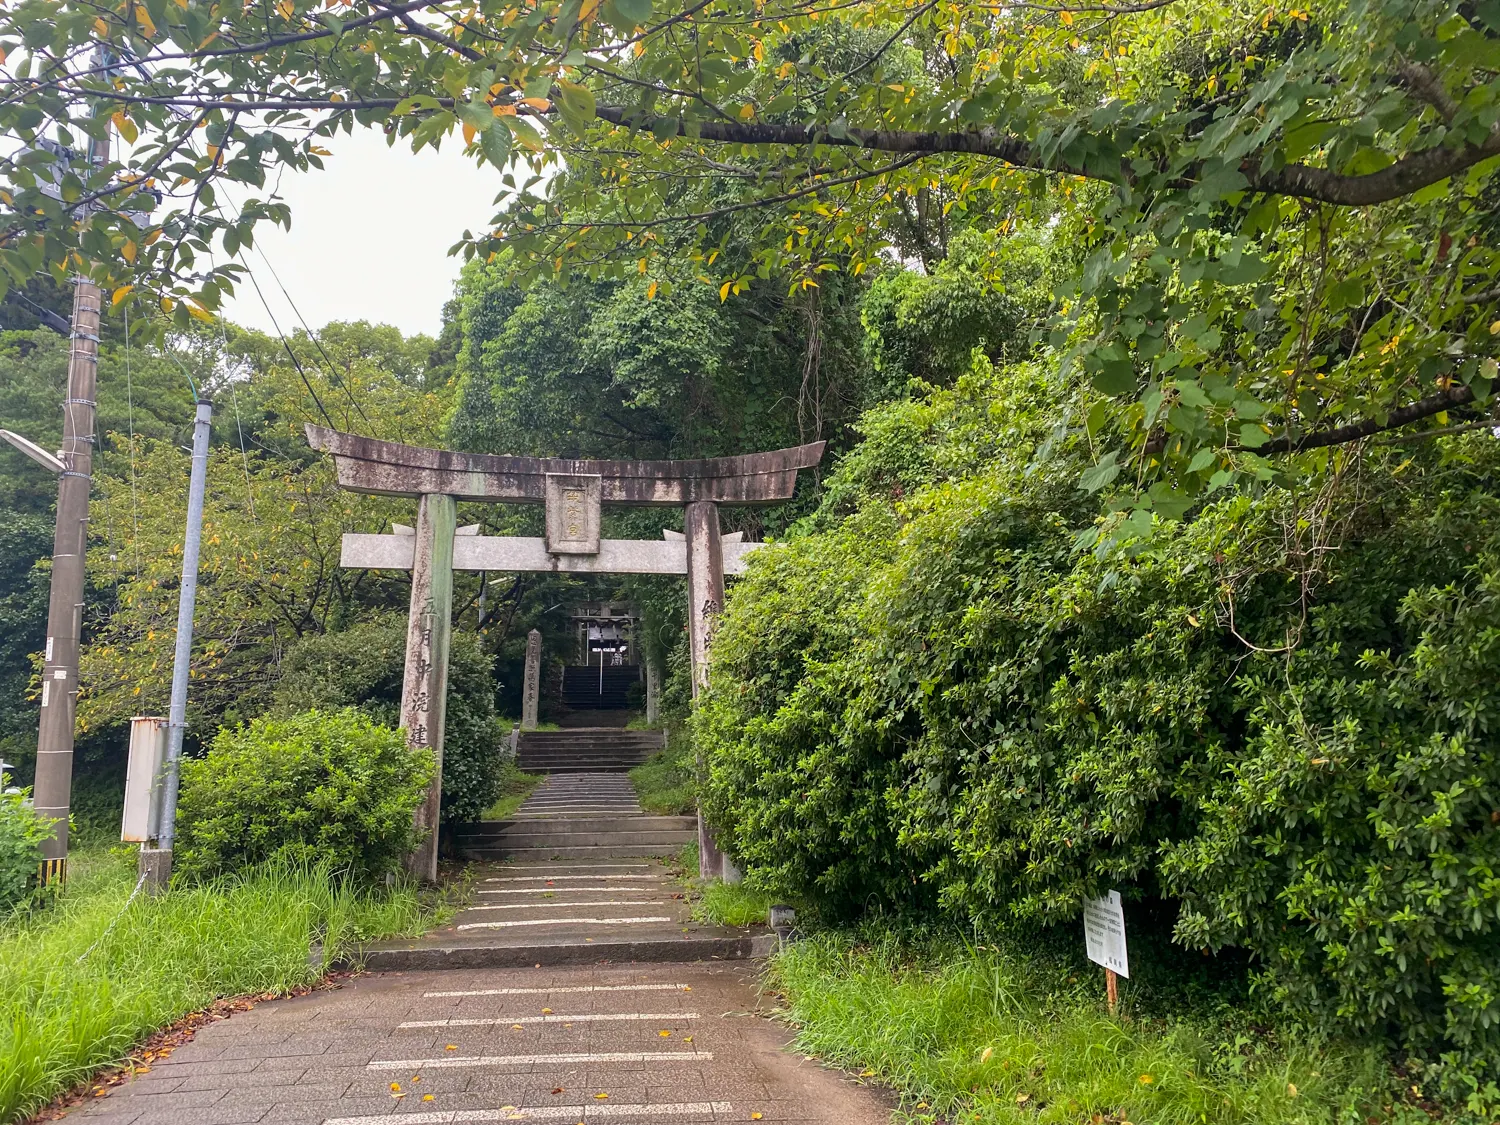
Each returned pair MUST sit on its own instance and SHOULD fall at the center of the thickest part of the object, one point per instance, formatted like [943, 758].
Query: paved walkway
[657, 1045]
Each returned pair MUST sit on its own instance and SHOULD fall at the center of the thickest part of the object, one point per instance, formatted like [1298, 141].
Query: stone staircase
[596, 689]
[577, 815]
[586, 750]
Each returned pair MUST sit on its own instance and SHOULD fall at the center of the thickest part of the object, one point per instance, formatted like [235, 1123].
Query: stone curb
[413, 958]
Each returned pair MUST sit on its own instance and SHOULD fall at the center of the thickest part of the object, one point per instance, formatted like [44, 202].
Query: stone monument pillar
[653, 690]
[705, 575]
[424, 692]
[532, 686]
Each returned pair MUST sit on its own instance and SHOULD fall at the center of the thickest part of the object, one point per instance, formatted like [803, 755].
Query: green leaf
[636, 11]
[1115, 377]
[494, 142]
[1252, 436]
[525, 133]
[1096, 477]
[577, 102]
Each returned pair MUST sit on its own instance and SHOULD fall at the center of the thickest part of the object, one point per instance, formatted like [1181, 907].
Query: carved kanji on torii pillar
[573, 492]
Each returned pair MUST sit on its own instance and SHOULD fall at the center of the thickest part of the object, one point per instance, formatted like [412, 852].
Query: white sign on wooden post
[1104, 932]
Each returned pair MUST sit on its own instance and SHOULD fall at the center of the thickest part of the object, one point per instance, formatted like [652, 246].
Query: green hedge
[332, 788]
[363, 666]
[943, 703]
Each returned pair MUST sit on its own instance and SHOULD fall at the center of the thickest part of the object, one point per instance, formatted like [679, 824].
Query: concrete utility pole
[156, 863]
[52, 791]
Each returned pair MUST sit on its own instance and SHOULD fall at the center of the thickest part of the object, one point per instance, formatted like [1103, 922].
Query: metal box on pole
[143, 779]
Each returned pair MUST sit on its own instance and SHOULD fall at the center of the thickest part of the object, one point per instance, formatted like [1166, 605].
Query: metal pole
[52, 789]
[187, 598]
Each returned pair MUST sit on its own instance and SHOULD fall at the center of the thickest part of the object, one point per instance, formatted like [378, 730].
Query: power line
[318, 343]
[291, 354]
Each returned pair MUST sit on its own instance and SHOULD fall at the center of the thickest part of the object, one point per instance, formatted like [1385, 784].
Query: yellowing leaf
[537, 103]
[986, 1054]
[126, 126]
[120, 294]
[724, 292]
[469, 133]
[651, 292]
[747, 111]
[1066, 18]
[101, 27]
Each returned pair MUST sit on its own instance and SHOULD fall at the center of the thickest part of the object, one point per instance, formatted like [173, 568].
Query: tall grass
[989, 1037]
[664, 782]
[731, 904]
[85, 978]
[515, 786]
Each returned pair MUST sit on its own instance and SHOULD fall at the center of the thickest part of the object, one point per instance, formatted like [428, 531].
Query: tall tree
[1279, 210]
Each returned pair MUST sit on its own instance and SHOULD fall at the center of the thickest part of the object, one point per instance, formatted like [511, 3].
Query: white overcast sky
[370, 236]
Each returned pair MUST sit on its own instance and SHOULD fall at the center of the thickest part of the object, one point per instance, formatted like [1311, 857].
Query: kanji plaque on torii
[573, 492]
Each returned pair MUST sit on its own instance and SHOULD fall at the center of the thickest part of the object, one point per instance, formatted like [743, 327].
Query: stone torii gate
[573, 492]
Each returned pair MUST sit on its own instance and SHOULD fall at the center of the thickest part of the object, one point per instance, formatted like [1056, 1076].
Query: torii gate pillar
[705, 575]
[424, 691]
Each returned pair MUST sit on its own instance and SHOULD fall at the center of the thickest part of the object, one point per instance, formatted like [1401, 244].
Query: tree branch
[1354, 431]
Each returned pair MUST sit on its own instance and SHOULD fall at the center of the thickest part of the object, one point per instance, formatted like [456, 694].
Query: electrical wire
[234, 396]
[317, 342]
[291, 354]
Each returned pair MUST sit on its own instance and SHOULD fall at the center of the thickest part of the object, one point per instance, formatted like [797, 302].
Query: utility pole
[156, 863]
[52, 791]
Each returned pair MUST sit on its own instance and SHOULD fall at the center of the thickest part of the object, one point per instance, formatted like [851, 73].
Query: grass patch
[515, 786]
[664, 782]
[84, 978]
[1018, 1038]
[731, 904]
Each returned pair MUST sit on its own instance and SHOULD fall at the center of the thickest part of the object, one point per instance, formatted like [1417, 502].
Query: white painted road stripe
[540, 1113]
[592, 1017]
[564, 905]
[539, 1060]
[534, 878]
[567, 988]
[562, 922]
[569, 890]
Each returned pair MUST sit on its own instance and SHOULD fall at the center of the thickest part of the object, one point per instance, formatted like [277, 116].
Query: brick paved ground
[669, 1044]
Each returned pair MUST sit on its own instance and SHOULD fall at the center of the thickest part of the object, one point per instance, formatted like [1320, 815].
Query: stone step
[500, 829]
[488, 953]
[628, 843]
[580, 736]
[588, 851]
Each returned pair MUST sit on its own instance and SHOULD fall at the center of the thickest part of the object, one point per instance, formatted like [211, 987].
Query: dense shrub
[329, 787]
[1272, 725]
[21, 836]
[363, 667]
